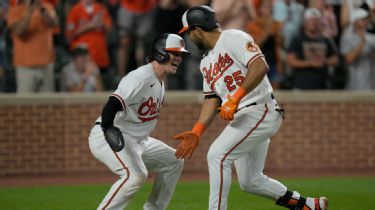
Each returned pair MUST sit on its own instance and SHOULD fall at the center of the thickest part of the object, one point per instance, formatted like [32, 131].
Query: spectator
[135, 21]
[31, 24]
[347, 8]
[311, 53]
[234, 14]
[81, 74]
[358, 50]
[267, 35]
[16, 2]
[88, 22]
[290, 14]
[329, 22]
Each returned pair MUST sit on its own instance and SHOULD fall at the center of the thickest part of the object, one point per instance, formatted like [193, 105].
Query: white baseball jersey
[224, 68]
[141, 95]
[245, 140]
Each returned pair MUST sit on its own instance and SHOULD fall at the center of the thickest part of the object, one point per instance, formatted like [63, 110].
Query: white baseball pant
[132, 165]
[245, 142]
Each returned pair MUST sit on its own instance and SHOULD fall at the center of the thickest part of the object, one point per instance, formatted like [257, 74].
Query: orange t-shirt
[95, 39]
[37, 48]
[16, 2]
[139, 6]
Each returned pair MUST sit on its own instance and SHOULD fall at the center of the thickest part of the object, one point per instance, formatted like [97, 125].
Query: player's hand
[189, 141]
[114, 138]
[229, 108]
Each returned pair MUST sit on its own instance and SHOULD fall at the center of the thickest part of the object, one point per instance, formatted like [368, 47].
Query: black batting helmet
[164, 43]
[202, 16]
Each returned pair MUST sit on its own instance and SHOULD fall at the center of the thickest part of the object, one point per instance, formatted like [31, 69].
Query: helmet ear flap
[158, 51]
[164, 43]
[161, 56]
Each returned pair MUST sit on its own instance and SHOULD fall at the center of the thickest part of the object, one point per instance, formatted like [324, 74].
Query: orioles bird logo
[252, 47]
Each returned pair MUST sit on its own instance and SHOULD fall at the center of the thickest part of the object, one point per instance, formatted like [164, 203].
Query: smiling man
[120, 138]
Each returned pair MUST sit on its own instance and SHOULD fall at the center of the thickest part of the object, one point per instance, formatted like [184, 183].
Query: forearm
[76, 88]
[208, 111]
[20, 28]
[344, 18]
[294, 62]
[50, 20]
[351, 56]
[81, 29]
[99, 84]
[261, 39]
[332, 60]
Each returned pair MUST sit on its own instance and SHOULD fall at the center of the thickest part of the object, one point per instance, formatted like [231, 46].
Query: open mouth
[175, 63]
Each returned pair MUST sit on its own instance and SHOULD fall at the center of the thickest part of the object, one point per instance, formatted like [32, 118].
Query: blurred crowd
[89, 45]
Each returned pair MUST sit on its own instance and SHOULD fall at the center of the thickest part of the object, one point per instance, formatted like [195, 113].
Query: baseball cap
[358, 14]
[311, 13]
[80, 49]
[371, 3]
[202, 16]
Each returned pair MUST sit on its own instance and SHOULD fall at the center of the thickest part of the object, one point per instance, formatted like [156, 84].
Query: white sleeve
[206, 89]
[127, 90]
[243, 48]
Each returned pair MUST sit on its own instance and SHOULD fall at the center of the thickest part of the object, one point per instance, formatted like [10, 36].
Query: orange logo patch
[252, 47]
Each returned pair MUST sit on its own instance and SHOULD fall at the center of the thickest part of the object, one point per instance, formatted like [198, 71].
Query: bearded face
[195, 37]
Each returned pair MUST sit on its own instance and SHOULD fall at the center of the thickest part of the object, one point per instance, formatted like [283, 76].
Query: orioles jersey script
[141, 95]
[225, 66]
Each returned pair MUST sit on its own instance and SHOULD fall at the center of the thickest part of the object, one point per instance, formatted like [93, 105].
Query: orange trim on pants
[119, 187]
[235, 146]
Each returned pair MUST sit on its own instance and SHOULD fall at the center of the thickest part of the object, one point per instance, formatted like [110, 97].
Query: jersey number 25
[235, 77]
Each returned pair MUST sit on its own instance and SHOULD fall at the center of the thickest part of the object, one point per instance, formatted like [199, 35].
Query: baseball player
[235, 82]
[120, 138]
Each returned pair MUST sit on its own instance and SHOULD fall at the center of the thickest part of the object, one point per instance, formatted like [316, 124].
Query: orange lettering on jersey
[149, 110]
[217, 69]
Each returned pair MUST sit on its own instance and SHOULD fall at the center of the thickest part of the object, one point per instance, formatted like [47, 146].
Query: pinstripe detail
[122, 183]
[235, 146]
[253, 59]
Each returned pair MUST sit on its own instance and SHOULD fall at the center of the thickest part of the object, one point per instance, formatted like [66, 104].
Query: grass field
[343, 194]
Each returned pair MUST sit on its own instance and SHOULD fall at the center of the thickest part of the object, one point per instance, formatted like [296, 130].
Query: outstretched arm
[190, 139]
[209, 110]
